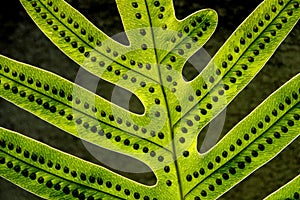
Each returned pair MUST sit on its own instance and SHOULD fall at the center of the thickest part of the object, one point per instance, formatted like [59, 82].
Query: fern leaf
[250, 144]
[52, 174]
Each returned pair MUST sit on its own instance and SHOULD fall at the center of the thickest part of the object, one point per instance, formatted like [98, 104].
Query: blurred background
[20, 39]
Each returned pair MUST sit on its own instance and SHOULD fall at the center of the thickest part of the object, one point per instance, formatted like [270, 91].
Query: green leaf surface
[150, 67]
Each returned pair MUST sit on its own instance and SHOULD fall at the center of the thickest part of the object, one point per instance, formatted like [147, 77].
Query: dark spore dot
[250, 59]
[3, 145]
[49, 163]
[288, 101]
[134, 4]
[73, 174]
[52, 109]
[25, 173]
[18, 149]
[277, 135]
[17, 168]
[49, 21]
[278, 26]
[136, 146]
[81, 196]
[118, 187]
[74, 44]
[2, 160]
[108, 184]
[296, 195]
[186, 29]
[14, 90]
[225, 176]
[261, 147]
[269, 140]
[81, 49]
[82, 176]
[162, 9]
[256, 52]
[253, 130]
[66, 170]
[202, 171]
[218, 159]
[30, 80]
[241, 165]
[290, 12]
[261, 46]
[232, 79]
[296, 116]
[218, 181]
[49, 184]
[57, 166]
[284, 129]
[55, 27]
[66, 190]
[127, 192]
[156, 3]
[189, 178]
[67, 39]
[34, 157]
[41, 160]
[90, 198]
[242, 41]
[40, 180]
[164, 27]
[267, 39]
[281, 106]
[254, 153]
[203, 112]
[232, 171]
[32, 176]
[62, 15]
[239, 142]
[185, 153]
[9, 164]
[226, 87]
[152, 154]
[260, 125]
[161, 135]
[224, 64]
[14, 73]
[145, 149]
[255, 29]
[224, 154]
[108, 135]
[295, 95]
[210, 165]
[151, 89]
[284, 20]
[22, 93]
[167, 169]
[290, 123]
[296, 5]
[200, 34]
[126, 142]
[248, 159]
[188, 45]
[231, 148]
[197, 198]
[70, 117]
[57, 186]
[157, 101]
[203, 193]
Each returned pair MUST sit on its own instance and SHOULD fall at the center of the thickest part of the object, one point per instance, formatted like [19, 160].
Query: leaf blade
[253, 142]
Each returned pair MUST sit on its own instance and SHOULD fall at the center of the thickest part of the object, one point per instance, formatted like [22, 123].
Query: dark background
[21, 39]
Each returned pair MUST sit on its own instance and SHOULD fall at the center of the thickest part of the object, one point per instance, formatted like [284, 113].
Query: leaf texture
[150, 67]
